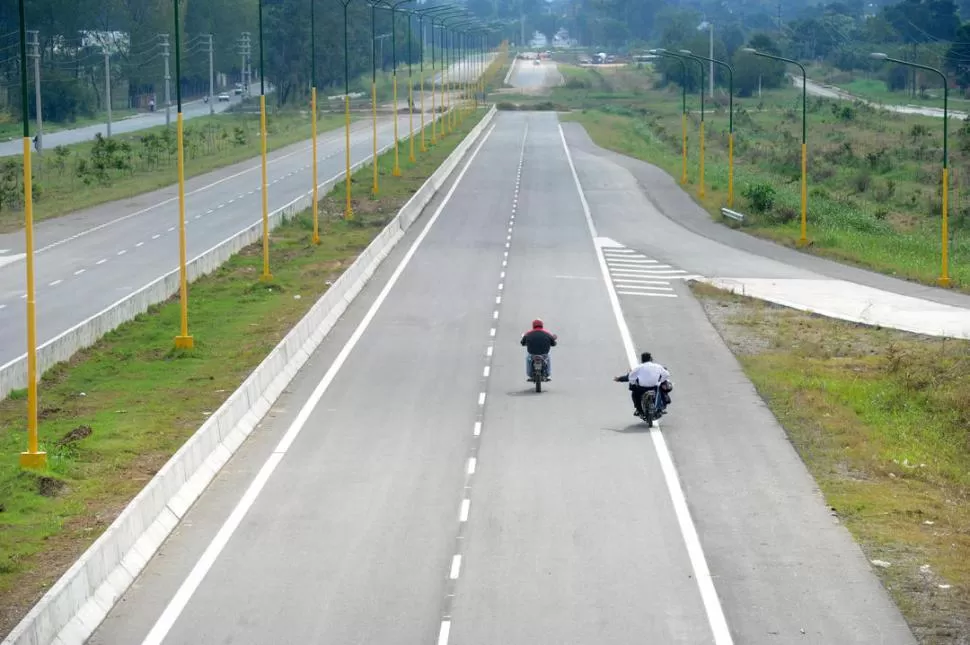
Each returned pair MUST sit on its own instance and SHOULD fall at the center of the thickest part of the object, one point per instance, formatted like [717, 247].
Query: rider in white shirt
[645, 376]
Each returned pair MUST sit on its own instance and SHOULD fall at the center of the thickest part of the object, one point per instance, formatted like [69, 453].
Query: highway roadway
[91, 259]
[411, 487]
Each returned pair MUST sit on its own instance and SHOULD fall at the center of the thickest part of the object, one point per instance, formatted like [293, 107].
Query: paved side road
[451, 503]
[829, 92]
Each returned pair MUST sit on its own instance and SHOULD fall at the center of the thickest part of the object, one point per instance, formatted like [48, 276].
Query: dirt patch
[78, 433]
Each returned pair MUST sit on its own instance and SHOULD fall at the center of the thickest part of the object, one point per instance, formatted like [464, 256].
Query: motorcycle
[538, 371]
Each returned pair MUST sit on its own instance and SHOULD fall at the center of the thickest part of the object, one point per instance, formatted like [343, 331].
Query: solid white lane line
[465, 507]
[185, 592]
[702, 575]
[455, 567]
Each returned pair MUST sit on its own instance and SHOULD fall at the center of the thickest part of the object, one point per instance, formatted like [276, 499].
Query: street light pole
[683, 119]
[313, 117]
[33, 457]
[411, 156]
[689, 56]
[803, 240]
[373, 86]
[944, 279]
[730, 70]
[183, 340]
[348, 209]
[266, 275]
[397, 167]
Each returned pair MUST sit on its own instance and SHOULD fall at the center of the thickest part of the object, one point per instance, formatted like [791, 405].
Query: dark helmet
[537, 323]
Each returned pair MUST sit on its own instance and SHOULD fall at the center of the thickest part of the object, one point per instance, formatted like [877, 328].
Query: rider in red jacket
[538, 342]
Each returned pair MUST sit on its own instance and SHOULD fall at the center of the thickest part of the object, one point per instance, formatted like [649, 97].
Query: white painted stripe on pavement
[472, 462]
[189, 586]
[643, 287]
[702, 575]
[632, 281]
[477, 430]
[646, 293]
[465, 506]
[481, 398]
[443, 633]
[455, 567]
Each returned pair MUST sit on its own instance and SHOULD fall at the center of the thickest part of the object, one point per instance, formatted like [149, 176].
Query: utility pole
[711, 55]
[212, 103]
[168, 77]
[107, 85]
[245, 49]
[35, 54]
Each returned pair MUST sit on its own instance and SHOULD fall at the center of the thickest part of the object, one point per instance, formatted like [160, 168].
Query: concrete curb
[13, 375]
[77, 603]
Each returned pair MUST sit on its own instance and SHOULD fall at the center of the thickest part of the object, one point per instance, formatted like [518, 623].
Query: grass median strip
[882, 421]
[874, 177]
[71, 178]
[115, 413]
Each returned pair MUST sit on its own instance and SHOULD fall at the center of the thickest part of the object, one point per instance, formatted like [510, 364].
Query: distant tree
[752, 72]
[919, 21]
[957, 58]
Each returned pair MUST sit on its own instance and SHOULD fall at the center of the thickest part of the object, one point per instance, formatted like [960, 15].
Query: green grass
[874, 177]
[141, 398]
[212, 142]
[881, 420]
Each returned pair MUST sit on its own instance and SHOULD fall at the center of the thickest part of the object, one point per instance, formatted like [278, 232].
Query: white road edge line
[712, 605]
[177, 604]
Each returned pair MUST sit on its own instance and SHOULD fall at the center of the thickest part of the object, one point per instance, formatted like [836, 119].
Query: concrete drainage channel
[13, 375]
[77, 603]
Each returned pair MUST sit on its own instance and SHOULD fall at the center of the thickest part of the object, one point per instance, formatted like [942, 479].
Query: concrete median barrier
[77, 603]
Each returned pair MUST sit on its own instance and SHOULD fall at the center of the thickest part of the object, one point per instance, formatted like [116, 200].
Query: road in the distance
[454, 504]
[526, 75]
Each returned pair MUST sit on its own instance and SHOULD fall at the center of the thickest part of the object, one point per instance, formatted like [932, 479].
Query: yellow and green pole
[803, 239]
[266, 275]
[683, 116]
[373, 91]
[944, 279]
[411, 156]
[34, 457]
[183, 340]
[730, 71]
[397, 166]
[689, 56]
[424, 145]
[348, 209]
[313, 119]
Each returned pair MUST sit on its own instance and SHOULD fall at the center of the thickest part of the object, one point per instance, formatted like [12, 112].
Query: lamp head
[878, 56]
[749, 50]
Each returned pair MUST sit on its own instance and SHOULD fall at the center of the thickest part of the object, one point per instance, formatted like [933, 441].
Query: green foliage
[760, 196]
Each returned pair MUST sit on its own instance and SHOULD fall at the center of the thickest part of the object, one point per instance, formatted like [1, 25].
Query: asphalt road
[141, 121]
[528, 76]
[89, 260]
[445, 501]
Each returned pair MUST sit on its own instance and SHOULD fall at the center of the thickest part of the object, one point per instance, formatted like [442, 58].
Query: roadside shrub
[760, 196]
[862, 181]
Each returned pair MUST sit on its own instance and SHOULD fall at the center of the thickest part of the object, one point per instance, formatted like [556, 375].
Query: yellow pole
[262, 126]
[183, 341]
[316, 207]
[411, 156]
[424, 145]
[445, 102]
[731, 170]
[803, 240]
[348, 211]
[945, 274]
[373, 94]
[701, 191]
[434, 109]
[33, 458]
[397, 167]
[683, 176]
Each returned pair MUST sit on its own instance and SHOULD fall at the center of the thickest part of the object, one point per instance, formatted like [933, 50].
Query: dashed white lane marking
[443, 632]
[171, 228]
[498, 300]
[465, 507]
[494, 315]
[695, 552]
[79, 271]
[501, 285]
[488, 352]
[56, 282]
[492, 332]
[220, 206]
[476, 431]
[455, 567]
[102, 261]
[481, 398]
[3, 306]
[486, 371]
[156, 236]
[23, 296]
[122, 252]
[139, 245]
[471, 465]
[198, 217]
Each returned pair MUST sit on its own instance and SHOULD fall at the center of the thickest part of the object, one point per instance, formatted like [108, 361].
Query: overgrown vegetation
[874, 182]
[112, 415]
[882, 421]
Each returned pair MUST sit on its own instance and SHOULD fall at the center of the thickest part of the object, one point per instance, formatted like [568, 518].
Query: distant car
[536, 62]
[238, 90]
[224, 97]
